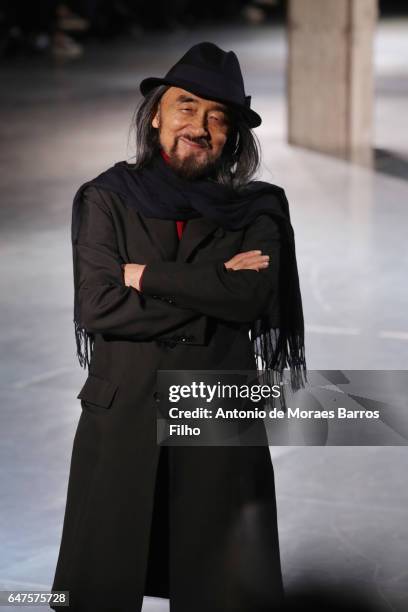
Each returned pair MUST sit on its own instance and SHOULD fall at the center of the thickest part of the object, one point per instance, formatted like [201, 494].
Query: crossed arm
[107, 305]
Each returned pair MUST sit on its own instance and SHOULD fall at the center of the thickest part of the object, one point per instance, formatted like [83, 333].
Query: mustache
[201, 140]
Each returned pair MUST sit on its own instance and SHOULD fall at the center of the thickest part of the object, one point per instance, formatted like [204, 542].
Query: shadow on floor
[391, 163]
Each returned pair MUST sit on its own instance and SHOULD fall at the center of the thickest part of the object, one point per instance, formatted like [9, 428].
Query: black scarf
[157, 191]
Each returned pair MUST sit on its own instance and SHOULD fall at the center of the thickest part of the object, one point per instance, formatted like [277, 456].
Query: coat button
[157, 396]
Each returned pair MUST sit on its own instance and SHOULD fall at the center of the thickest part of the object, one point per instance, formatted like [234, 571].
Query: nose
[199, 125]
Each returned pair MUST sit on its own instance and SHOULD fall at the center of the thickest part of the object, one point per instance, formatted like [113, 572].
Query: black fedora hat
[209, 72]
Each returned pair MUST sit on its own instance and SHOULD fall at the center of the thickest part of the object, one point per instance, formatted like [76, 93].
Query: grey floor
[342, 511]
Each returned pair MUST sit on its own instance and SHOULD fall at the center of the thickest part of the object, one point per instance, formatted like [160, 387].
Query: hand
[248, 260]
[132, 274]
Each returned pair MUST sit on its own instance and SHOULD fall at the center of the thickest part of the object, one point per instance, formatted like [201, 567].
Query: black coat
[197, 525]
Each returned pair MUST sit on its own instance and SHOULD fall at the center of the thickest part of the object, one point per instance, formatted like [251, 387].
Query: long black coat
[197, 525]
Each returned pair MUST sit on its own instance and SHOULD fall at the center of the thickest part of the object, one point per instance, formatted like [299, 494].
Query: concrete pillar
[330, 76]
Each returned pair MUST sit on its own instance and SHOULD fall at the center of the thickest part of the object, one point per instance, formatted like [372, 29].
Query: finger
[254, 260]
[251, 265]
[239, 256]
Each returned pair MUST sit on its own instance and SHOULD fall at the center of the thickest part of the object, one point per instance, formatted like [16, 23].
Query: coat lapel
[195, 231]
[162, 235]
[164, 240]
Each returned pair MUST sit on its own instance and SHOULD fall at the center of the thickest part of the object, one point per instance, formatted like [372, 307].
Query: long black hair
[240, 157]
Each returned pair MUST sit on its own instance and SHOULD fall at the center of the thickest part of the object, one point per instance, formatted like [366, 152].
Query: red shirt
[180, 225]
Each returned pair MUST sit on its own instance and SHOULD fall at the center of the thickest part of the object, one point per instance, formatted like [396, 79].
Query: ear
[156, 118]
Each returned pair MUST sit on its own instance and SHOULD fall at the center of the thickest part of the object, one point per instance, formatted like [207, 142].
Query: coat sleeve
[212, 289]
[106, 304]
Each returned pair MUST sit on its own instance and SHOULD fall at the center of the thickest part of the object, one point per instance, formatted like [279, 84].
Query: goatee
[190, 167]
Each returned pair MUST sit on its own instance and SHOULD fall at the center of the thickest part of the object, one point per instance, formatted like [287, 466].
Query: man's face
[192, 131]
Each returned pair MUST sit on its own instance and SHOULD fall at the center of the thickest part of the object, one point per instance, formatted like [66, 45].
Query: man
[180, 262]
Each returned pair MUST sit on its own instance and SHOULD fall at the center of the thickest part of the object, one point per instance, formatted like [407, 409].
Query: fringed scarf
[157, 191]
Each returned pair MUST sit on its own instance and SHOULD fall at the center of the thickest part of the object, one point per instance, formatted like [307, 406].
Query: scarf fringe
[85, 342]
[276, 350]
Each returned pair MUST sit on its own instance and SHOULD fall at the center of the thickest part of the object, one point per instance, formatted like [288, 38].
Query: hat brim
[252, 118]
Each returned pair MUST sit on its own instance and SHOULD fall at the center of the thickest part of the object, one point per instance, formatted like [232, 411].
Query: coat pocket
[98, 392]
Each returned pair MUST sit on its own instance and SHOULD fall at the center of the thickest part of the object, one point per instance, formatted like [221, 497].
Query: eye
[220, 119]
[186, 109]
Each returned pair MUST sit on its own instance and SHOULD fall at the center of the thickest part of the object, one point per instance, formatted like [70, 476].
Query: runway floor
[342, 510]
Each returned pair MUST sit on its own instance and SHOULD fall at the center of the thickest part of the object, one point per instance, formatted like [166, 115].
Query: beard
[191, 166]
